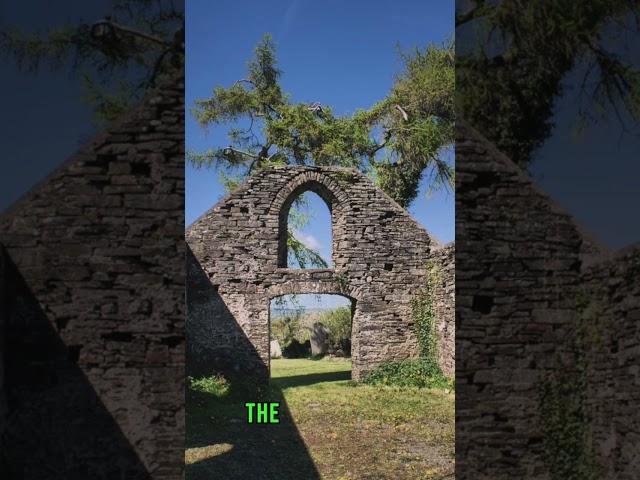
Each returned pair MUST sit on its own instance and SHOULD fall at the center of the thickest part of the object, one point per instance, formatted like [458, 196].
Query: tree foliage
[522, 53]
[287, 329]
[395, 140]
[119, 56]
[338, 322]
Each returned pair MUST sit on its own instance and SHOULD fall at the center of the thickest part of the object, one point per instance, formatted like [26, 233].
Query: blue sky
[36, 136]
[312, 301]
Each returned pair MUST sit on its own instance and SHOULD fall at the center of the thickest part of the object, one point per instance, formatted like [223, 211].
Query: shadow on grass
[303, 380]
[223, 445]
[220, 444]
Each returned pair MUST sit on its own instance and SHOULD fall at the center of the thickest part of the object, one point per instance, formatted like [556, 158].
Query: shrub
[285, 329]
[419, 372]
[297, 349]
[216, 385]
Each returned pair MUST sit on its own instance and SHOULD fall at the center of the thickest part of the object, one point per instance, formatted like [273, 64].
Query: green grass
[216, 386]
[331, 428]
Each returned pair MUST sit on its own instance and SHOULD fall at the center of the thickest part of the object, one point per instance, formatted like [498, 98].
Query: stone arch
[329, 287]
[325, 188]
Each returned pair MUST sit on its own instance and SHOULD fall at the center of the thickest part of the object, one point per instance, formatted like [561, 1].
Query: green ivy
[567, 439]
[568, 443]
[343, 283]
[424, 317]
[423, 371]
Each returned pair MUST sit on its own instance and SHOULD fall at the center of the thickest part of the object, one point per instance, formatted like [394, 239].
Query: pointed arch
[315, 182]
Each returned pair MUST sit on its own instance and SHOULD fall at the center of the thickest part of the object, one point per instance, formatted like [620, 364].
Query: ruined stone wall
[445, 307]
[612, 295]
[95, 338]
[541, 308]
[214, 338]
[517, 270]
[379, 258]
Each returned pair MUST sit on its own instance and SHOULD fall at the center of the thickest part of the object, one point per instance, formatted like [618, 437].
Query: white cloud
[289, 16]
[309, 240]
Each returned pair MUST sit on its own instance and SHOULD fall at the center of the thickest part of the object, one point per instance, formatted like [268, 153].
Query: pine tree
[118, 56]
[516, 56]
[395, 140]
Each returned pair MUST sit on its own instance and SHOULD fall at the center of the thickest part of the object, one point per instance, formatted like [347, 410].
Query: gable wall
[96, 306]
[517, 274]
[379, 253]
[538, 304]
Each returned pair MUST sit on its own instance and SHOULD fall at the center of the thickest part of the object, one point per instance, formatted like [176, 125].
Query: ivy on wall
[423, 371]
[566, 425]
[424, 316]
[343, 283]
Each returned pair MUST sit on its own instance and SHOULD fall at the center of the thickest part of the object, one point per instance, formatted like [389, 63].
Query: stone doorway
[312, 326]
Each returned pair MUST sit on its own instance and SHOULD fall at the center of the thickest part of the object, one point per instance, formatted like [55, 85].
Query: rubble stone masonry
[94, 296]
[238, 265]
[533, 294]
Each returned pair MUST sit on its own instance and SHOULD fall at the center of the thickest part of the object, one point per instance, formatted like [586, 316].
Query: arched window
[305, 232]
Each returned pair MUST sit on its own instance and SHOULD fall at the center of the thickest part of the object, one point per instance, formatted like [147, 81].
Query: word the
[262, 412]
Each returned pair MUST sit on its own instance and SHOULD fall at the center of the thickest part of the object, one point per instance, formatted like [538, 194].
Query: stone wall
[213, 335]
[379, 257]
[95, 335]
[445, 307]
[613, 314]
[537, 299]
[517, 271]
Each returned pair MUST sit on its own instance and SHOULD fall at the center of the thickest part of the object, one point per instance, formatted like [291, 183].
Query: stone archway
[326, 188]
[329, 286]
[353, 305]
[379, 258]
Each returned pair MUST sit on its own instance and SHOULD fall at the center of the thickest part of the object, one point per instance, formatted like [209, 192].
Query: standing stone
[274, 348]
[319, 339]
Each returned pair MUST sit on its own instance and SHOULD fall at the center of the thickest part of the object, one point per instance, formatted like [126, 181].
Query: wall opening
[306, 229]
[310, 337]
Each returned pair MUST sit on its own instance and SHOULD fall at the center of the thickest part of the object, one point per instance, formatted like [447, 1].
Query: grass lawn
[331, 428]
